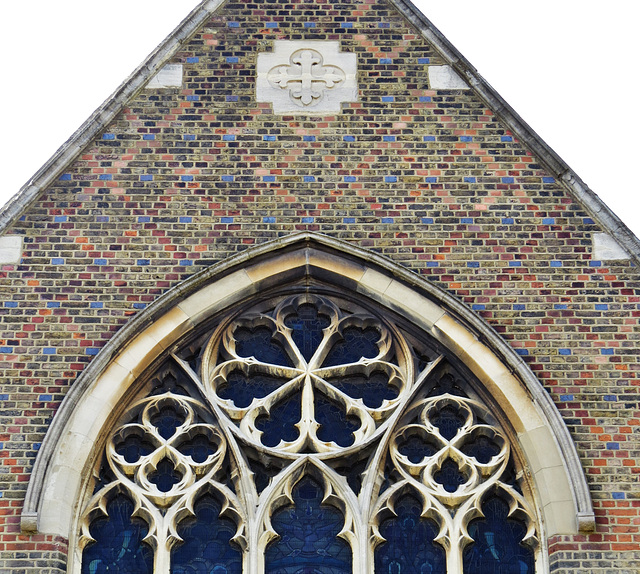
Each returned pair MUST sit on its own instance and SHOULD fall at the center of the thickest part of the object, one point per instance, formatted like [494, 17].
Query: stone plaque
[306, 77]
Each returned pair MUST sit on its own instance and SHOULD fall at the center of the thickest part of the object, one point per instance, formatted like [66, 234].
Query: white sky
[568, 67]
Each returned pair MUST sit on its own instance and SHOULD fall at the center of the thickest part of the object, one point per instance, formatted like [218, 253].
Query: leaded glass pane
[307, 326]
[280, 424]
[308, 542]
[356, 344]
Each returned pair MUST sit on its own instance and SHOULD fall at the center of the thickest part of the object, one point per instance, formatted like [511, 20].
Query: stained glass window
[307, 435]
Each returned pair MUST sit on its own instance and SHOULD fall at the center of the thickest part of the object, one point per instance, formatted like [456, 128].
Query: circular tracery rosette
[307, 376]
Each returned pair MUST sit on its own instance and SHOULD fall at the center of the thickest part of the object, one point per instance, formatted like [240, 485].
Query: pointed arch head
[306, 259]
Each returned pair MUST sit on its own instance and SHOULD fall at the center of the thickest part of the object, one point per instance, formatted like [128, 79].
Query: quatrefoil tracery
[339, 368]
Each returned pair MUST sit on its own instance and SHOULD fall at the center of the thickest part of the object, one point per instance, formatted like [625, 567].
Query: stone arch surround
[544, 439]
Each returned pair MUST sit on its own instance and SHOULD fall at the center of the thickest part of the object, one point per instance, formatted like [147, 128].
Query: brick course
[186, 177]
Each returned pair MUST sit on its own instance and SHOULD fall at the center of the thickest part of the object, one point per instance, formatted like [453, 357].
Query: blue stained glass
[409, 546]
[207, 548]
[118, 548]
[353, 473]
[165, 475]
[199, 448]
[416, 449]
[450, 476]
[308, 542]
[280, 423]
[307, 327]
[335, 425]
[356, 343]
[259, 343]
[242, 389]
[372, 389]
[482, 448]
[497, 548]
[167, 420]
[448, 420]
[134, 447]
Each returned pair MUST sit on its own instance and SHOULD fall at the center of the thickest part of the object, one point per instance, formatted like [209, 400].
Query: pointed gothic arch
[98, 396]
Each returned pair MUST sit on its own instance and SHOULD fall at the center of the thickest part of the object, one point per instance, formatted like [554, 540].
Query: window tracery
[309, 434]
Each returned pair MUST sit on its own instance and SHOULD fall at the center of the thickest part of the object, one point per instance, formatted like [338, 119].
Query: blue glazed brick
[432, 264]
[269, 178]
[466, 139]
[309, 24]
[268, 220]
[429, 138]
[108, 136]
[186, 262]
[431, 180]
[193, 98]
[309, 138]
[602, 307]
[143, 262]
[5, 350]
[269, 138]
[49, 350]
[186, 178]
[564, 351]
[349, 138]
[272, 24]
[231, 98]
[388, 98]
[595, 263]
[106, 177]
[515, 264]
[228, 178]
[478, 307]
[388, 138]
[36, 445]
[548, 180]
[470, 179]
[508, 180]
[556, 264]
[146, 178]
[384, 24]
[10, 304]
[619, 495]
[45, 398]
[309, 178]
[4, 397]
[548, 221]
[188, 137]
[60, 218]
[102, 218]
[506, 139]
[613, 446]
[522, 352]
[232, 59]
[99, 261]
[423, 60]
[348, 220]
[467, 220]
[65, 177]
[566, 398]
[606, 351]
[307, 220]
[588, 221]
[185, 219]
[390, 178]
[349, 178]
[139, 305]
[386, 61]
[96, 305]
[560, 306]
[610, 398]
[519, 307]
[193, 60]
[92, 351]
[424, 99]
[228, 138]
[144, 219]
[233, 24]
[149, 137]
[427, 220]
[57, 261]
[474, 264]
[507, 220]
[53, 305]
[387, 220]
[346, 25]
[226, 219]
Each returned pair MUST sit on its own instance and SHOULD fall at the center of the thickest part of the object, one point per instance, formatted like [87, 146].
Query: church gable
[357, 121]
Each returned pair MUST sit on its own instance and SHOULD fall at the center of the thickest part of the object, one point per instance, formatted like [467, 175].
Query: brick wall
[430, 178]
